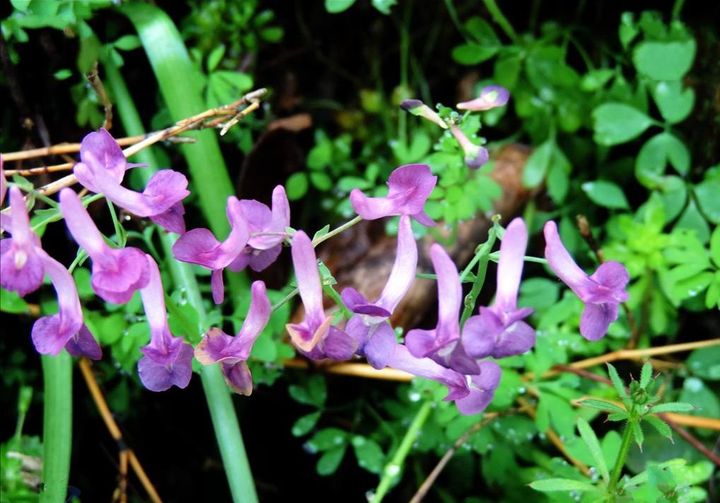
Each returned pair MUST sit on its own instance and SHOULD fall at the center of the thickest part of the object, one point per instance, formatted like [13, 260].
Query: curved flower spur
[602, 292]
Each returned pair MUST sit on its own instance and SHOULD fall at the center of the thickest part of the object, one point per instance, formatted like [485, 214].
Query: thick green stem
[222, 412]
[620, 463]
[57, 427]
[394, 467]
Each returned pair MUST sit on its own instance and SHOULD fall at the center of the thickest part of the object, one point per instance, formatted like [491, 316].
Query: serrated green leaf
[549, 485]
[664, 60]
[616, 123]
[591, 441]
[605, 193]
[617, 382]
[645, 375]
[655, 154]
[660, 426]
[602, 405]
[637, 433]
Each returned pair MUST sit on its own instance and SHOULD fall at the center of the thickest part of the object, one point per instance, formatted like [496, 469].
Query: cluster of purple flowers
[461, 357]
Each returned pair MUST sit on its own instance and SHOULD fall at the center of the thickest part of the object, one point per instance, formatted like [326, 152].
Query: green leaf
[549, 485]
[628, 30]
[616, 123]
[692, 219]
[62, 74]
[272, 34]
[591, 440]
[715, 247]
[21, 5]
[384, 6]
[660, 426]
[637, 433]
[127, 43]
[11, 302]
[672, 407]
[330, 460]
[321, 181]
[482, 32]
[707, 196]
[705, 362]
[617, 382]
[368, 453]
[674, 102]
[313, 392]
[645, 375]
[607, 194]
[696, 392]
[664, 60]
[296, 186]
[655, 155]
[472, 54]
[538, 164]
[336, 6]
[328, 438]
[602, 405]
[305, 423]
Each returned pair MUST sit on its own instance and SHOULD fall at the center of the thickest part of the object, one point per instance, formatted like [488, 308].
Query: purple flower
[21, 264]
[116, 273]
[442, 343]
[199, 246]
[420, 109]
[233, 352]
[167, 359]
[50, 334]
[499, 330]
[409, 188]
[314, 336]
[3, 190]
[475, 155]
[267, 231]
[601, 292]
[102, 169]
[490, 97]
[482, 389]
[370, 321]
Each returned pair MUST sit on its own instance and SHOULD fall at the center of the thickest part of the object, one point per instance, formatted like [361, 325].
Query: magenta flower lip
[116, 273]
[167, 360]
[409, 188]
[232, 352]
[21, 263]
[602, 292]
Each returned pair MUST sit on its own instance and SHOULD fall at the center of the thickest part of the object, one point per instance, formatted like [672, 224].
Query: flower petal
[84, 344]
[380, 346]
[563, 265]
[308, 278]
[449, 295]
[596, 319]
[482, 389]
[490, 97]
[510, 266]
[402, 274]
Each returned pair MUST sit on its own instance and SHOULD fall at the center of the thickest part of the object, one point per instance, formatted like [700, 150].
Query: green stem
[620, 463]
[222, 412]
[483, 257]
[337, 231]
[394, 467]
[500, 19]
[57, 427]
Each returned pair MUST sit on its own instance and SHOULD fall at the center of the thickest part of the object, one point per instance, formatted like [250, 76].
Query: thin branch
[94, 78]
[435, 473]
[689, 438]
[213, 117]
[115, 432]
[353, 369]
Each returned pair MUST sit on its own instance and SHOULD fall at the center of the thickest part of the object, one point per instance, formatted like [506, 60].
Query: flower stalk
[57, 426]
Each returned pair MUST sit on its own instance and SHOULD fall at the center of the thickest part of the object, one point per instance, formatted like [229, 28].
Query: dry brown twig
[126, 454]
[225, 117]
